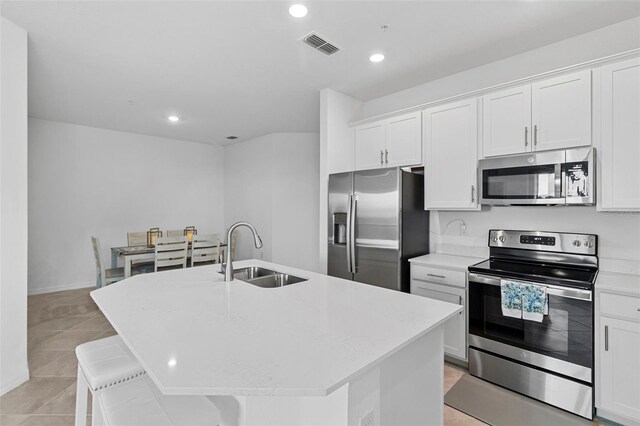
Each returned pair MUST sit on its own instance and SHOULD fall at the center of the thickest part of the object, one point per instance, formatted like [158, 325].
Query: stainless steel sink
[265, 278]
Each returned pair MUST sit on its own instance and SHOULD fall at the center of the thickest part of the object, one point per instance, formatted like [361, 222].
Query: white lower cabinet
[455, 329]
[618, 366]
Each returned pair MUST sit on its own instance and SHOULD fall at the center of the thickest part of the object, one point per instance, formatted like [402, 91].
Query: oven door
[562, 342]
[522, 179]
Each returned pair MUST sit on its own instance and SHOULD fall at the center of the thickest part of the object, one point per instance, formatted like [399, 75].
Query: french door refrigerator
[377, 222]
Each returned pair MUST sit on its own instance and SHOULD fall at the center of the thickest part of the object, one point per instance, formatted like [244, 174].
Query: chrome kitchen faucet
[227, 266]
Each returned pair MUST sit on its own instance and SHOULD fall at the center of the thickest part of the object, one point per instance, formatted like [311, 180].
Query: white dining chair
[205, 249]
[135, 239]
[102, 364]
[104, 276]
[175, 233]
[171, 252]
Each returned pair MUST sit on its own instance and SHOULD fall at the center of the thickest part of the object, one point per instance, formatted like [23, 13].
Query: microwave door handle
[559, 181]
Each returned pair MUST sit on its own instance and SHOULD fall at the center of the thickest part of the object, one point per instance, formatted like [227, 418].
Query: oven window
[533, 182]
[565, 333]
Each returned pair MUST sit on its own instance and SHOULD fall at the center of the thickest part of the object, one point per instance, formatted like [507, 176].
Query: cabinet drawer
[439, 275]
[620, 306]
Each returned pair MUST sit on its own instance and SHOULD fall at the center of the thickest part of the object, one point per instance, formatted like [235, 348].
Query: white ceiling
[237, 67]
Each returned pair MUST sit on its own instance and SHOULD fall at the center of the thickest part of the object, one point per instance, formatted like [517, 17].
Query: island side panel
[411, 383]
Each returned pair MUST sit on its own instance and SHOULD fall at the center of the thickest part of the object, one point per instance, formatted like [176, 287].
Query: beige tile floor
[57, 323]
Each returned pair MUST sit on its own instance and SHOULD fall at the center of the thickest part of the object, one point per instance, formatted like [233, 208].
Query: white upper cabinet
[370, 143]
[550, 114]
[451, 155]
[392, 142]
[561, 112]
[616, 124]
[506, 121]
[404, 142]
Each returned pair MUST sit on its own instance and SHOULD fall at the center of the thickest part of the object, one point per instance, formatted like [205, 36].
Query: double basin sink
[265, 278]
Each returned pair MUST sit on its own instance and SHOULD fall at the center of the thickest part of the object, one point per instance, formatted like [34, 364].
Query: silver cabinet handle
[381, 157]
[460, 300]
[473, 194]
[386, 156]
[435, 275]
[535, 134]
[606, 337]
[526, 135]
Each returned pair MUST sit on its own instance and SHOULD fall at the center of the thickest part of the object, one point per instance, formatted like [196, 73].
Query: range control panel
[544, 241]
[535, 239]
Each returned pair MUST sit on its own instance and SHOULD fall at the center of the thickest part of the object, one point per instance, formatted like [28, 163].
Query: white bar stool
[102, 364]
[139, 402]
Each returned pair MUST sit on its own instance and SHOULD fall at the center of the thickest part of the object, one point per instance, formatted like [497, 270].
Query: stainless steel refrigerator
[377, 222]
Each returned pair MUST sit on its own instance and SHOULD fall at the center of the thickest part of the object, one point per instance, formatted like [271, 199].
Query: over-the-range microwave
[563, 177]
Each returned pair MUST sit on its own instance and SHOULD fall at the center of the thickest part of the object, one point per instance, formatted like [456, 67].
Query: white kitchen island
[321, 352]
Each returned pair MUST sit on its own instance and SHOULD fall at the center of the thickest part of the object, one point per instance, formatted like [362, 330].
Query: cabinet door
[404, 141]
[370, 145]
[455, 343]
[561, 112]
[506, 122]
[617, 126]
[620, 367]
[451, 149]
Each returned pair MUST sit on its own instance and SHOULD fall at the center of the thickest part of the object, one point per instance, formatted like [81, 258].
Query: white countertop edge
[275, 391]
[446, 261]
[616, 282]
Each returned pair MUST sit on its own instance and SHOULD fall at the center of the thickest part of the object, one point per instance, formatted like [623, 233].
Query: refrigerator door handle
[349, 215]
[352, 233]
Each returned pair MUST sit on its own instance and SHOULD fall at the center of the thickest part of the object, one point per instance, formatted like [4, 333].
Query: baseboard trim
[54, 289]
[14, 383]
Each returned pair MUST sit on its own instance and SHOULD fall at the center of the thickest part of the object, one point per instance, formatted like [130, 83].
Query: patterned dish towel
[526, 301]
[534, 302]
[511, 295]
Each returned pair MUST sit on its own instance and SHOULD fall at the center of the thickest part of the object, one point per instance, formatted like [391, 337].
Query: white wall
[13, 206]
[87, 181]
[272, 182]
[600, 43]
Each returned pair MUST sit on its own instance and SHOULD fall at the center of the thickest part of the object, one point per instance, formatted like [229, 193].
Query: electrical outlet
[261, 255]
[463, 229]
[367, 419]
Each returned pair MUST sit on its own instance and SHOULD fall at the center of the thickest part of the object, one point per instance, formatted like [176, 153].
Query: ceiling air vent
[318, 42]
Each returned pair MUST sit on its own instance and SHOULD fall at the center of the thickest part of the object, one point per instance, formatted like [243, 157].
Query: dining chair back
[137, 239]
[171, 252]
[175, 233]
[205, 249]
[104, 276]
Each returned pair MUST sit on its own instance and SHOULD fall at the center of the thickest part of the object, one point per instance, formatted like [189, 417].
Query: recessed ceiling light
[173, 118]
[298, 11]
[376, 57]
[232, 137]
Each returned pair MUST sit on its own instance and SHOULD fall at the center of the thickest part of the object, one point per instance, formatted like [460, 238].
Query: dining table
[132, 254]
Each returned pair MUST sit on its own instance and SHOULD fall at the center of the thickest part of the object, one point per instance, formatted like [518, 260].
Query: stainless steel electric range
[550, 359]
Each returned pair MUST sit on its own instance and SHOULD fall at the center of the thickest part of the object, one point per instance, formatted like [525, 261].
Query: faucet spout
[227, 267]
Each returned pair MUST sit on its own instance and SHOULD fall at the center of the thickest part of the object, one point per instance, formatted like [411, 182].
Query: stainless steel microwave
[563, 177]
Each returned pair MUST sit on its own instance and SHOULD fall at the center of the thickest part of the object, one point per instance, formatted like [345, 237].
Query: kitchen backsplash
[618, 233]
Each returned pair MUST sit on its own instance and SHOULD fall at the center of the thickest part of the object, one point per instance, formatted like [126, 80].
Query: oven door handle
[571, 293]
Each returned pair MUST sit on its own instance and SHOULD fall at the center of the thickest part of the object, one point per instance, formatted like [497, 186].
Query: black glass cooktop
[538, 272]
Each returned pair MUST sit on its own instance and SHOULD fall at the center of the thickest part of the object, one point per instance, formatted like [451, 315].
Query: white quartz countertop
[195, 334]
[621, 283]
[447, 261]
